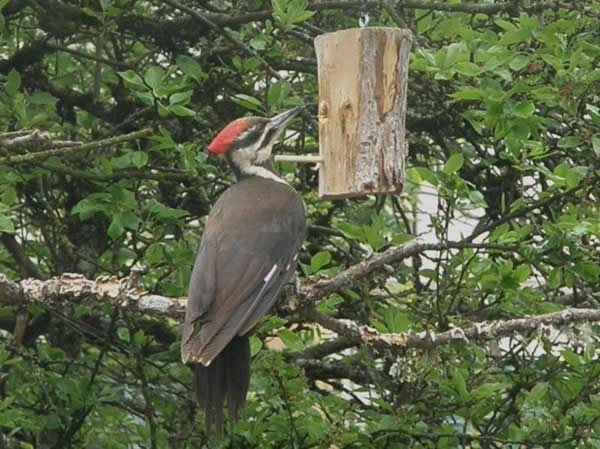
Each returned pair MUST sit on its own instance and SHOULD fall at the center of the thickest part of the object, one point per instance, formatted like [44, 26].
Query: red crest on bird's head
[220, 144]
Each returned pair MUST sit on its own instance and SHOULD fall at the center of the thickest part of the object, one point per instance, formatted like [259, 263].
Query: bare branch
[82, 54]
[488, 330]
[393, 254]
[68, 147]
[76, 289]
[33, 139]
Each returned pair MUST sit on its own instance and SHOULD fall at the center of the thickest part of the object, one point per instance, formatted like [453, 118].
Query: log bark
[362, 110]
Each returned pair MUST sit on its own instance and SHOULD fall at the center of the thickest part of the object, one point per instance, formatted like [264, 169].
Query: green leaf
[303, 16]
[182, 111]
[9, 195]
[460, 385]
[278, 92]
[123, 334]
[129, 220]
[522, 273]
[278, 10]
[319, 260]
[428, 175]
[505, 25]
[116, 229]
[258, 42]
[139, 158]
[13, 82]
[519, 129]
[514, 37]
[571, 358]
[90, 12]
[352, 231]
[467, 69]
[132, 77]
[86, 208]
[6, 225]
[488, 390]
[374, 238]
[554, 278]
[256, 345]
[596, 144]
[524, 109]
[396, 320]
[291, 340]
[454, 163]
[153, 76]
[468, 93]
[190, 67]
[42, 98]
[328, 306]
[568, 142]
[136, 159]
[538, 391]
[246, 101]
[588, 271]
[139, 337]
[519, 62]
[181, 98]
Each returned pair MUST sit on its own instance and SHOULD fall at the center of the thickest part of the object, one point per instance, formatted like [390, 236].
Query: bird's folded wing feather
[235, 281]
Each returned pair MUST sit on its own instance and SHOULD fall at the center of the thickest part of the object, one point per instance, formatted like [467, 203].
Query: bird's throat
[243, 169]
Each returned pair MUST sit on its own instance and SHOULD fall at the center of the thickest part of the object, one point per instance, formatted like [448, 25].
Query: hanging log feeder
[363, 76]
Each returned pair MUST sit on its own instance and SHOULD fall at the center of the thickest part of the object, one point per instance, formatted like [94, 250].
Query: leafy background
[504, 125]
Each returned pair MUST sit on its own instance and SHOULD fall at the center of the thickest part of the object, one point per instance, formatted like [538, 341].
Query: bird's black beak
[281, 120]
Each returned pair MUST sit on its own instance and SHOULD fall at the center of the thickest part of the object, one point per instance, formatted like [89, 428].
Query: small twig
[119, 64]
[393, 254]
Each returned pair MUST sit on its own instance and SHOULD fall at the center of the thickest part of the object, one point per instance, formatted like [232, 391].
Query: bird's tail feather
[228, 376]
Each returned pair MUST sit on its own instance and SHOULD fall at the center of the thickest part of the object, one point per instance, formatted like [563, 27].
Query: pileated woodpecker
[248, 251]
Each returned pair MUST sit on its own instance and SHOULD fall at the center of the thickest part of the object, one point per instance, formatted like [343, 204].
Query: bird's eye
[248, 137]
[270, 134]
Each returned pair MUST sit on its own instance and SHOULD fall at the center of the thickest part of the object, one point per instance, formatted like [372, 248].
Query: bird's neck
[244, 169]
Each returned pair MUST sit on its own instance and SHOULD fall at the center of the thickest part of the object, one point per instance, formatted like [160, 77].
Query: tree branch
[71, 147]
[76, 289]
[393, 254]
[26, 265]
[34, 139]
[485, 331]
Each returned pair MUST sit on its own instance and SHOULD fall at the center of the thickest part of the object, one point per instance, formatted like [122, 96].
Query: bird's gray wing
[237, 276]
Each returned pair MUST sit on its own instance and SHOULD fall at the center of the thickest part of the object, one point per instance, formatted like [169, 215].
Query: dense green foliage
[504, 121]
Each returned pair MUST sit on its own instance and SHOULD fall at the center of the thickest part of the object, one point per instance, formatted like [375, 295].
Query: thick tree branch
[26, 56]
[488, 330]
[74, 288]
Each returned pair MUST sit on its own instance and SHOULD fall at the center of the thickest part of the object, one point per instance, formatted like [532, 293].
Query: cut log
[362, 109]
